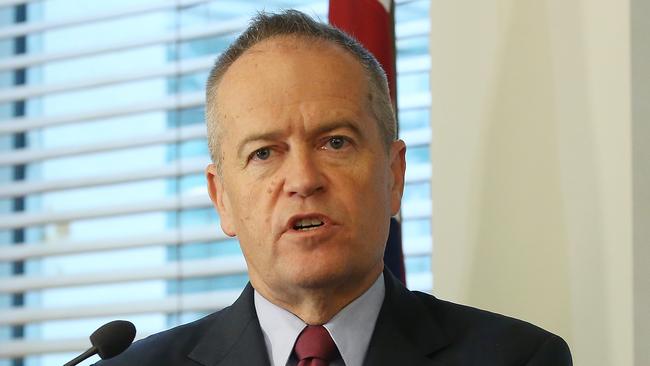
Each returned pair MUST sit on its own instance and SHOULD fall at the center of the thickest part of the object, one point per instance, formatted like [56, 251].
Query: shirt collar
[351, 328]
[280, 329]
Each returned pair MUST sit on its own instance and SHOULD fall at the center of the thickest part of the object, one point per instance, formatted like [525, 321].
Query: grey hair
[296, 23]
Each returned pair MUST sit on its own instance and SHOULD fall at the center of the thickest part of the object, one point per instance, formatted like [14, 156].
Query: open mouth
[307, 224]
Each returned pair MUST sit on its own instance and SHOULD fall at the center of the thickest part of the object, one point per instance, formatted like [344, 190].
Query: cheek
[255, 208]
[369, 190]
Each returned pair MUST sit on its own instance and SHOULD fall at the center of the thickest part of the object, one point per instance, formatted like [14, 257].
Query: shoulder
[169, 347]
[463, 321]
[485, 335]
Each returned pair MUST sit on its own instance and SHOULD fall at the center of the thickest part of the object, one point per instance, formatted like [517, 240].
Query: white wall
[532, 166]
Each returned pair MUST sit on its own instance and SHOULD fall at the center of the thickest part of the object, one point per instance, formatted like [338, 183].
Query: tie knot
[315, 342]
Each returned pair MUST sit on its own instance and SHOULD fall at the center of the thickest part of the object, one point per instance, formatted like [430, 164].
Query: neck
[318, 305]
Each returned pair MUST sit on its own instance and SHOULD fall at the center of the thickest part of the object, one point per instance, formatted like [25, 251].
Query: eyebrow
[275, 135]
[264, 136]
[335, 125]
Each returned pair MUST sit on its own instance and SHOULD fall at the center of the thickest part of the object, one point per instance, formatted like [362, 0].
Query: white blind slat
[414, 64]
[30, 60]
[412, 29]
[64, 247]
[168, 103]
[417, 137]
[33, 27]
[175, 68]
[173, 135]
[205, 301]
[416, 210]
[183, 269]
[166, 204]
[13, 2]
[179, 168]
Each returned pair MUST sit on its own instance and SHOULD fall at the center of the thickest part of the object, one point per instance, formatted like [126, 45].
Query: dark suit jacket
[412, 329]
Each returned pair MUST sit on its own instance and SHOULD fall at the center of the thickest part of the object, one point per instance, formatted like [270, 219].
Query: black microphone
[108, 341]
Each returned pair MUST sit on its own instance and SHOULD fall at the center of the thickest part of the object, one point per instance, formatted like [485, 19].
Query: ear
[220, 199]
[398, 169]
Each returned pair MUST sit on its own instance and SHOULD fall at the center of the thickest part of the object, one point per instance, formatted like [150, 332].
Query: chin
[317, 277]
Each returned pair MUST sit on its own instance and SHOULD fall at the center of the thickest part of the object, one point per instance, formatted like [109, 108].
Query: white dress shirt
[351, 328]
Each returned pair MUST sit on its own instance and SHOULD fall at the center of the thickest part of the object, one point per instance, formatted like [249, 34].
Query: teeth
[307, 223]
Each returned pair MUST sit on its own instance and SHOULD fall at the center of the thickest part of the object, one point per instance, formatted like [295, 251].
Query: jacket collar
[406, 333]
[234, 338]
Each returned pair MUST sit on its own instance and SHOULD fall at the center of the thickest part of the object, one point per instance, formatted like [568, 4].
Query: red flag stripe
[370, 23]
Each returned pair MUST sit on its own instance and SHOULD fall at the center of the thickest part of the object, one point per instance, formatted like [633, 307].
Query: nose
[303, 176]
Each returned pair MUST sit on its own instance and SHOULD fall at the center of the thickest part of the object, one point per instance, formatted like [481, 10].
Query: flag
[372, 23]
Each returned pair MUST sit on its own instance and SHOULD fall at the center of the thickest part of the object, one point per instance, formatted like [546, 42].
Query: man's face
[307, 184]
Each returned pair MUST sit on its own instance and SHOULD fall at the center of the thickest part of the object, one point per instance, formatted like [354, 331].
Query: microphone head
[113, 338]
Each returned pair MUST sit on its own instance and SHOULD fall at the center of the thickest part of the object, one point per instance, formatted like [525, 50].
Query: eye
[336, 142]
[261, 154]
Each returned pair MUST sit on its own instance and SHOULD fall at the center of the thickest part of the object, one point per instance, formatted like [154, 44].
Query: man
[307, 173]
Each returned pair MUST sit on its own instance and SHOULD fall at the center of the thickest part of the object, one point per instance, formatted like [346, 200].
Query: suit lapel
[405, 332]
[235, 337]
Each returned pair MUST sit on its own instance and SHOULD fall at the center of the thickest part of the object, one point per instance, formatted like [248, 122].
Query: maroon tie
[315, 347]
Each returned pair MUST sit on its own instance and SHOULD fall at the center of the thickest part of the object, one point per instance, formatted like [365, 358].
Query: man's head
[308, 176]
[297, 24]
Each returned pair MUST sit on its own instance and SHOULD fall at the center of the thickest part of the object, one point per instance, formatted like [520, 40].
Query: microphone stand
[89, 352]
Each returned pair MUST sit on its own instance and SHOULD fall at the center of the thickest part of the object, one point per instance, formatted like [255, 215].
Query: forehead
[297, 52]
[288, 69]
